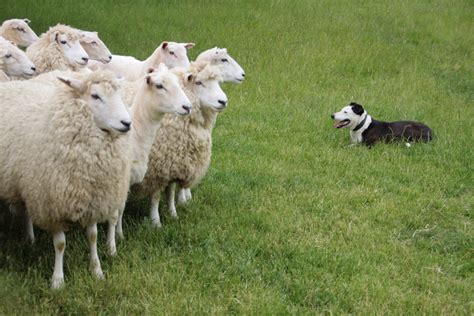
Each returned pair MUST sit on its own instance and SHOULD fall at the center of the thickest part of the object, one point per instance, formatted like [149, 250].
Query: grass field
[289, 219]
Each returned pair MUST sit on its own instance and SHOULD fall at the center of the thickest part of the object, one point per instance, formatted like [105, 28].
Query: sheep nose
[33, 68]
[332, 116]
[222, 102]
[243, 74]
[85, 59]
[110, 57]
[187, 108]
[126, 124]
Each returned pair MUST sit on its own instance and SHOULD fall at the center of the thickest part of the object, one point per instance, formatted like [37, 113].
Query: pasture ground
[289, 219]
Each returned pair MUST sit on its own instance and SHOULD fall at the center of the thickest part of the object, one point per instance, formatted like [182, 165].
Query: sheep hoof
[57, 283]
[156, 224]
[112, 250]
[120, 235]
[98, 274]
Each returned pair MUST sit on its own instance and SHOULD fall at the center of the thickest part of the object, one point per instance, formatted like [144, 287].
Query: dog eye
[224, 60]
[160, 86]
[95, 96]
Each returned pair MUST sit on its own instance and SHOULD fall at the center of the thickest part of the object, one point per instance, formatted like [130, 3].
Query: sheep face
[14, 61]
[230, 69]
[103, 98]
[165, 90]
[19, 32]
[205, 86]
[94, 47]
[175, 54]
[71, 49]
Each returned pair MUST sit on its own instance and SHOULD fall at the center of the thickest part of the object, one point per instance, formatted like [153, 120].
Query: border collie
[366, 130]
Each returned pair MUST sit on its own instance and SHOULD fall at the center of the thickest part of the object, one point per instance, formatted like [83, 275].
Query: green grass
[289, 219]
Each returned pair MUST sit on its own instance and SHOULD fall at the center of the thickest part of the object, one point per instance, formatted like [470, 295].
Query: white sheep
[80, 169]
[58, 49]
[94, 47]
[148, 109]
[182, 149]
[231, 72]
[169, 53]
[18, 31]
[154, 95]
[14, 62]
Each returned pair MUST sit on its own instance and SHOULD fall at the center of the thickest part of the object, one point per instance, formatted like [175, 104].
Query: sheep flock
[102, 126]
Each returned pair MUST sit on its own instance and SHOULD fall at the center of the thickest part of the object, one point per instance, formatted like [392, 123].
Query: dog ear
[357, 108]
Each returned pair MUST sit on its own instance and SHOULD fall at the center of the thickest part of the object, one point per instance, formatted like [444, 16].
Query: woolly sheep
[231, 72]
[58, 49]
[182, 149]
[14, 62]
[18, 31]
[169, 53]
[94, 47]
[148, 108]
[80, 171]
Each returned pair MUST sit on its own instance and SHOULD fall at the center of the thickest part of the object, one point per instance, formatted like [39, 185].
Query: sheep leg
[59, 241]
[30, 229]
[20, 209]
[94, 266]
[171, 204]
[119, 222]
[111, 245]
[187, 192]
[182, 196]
[154, 213]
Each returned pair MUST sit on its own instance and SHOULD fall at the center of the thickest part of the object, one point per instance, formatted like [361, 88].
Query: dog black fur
[387, 132]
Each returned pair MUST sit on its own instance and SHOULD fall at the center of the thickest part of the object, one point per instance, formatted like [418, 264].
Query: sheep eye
[160, 86]
[94, 43]
[345, 112]
[199, 83]
[224, 60]
[63, 42]
[8, 55]
[21, 29]
[95, 96]
[172, 53]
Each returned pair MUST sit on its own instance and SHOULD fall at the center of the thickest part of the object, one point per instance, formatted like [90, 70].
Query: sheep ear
[148, 80]
[150, 70]
[189, 45]
[72, 83]
[3, 52]
[54, 36]
[27, 21]
[164, 45]
[189, 77]
[162, 67]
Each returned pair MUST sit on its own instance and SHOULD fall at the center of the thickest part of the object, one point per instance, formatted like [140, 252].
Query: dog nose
[222, 102]
[332, 116]
[85, 59]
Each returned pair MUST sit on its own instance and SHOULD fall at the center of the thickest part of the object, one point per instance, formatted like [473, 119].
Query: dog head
[349, 116]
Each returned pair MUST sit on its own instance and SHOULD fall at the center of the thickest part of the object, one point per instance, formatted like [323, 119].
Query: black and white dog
[366, 130]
